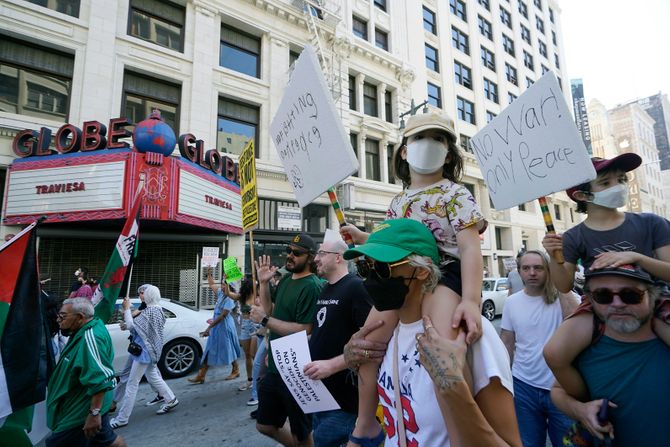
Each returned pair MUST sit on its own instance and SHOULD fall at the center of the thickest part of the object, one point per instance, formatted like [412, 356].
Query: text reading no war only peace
[299, 129]
[506, 153]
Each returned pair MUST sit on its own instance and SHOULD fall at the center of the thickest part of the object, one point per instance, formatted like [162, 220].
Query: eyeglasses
[628, 295]
[294, 252]
[325, 252]
[62, 315]
[383, 269]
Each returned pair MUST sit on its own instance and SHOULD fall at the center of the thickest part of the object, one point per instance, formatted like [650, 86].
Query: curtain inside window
[145, 86]
[39, 58]
[244, 41]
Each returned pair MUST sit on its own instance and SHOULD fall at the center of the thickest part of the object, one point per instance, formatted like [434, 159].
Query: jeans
[332, 428]
[537, 414]
[137, 370]
[259, 360]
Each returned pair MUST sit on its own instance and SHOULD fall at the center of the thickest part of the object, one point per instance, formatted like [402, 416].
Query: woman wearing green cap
[422, 381]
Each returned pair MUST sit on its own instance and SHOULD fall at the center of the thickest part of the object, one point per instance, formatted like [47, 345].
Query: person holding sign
[422, 383]
[430, 164]
[607, 238]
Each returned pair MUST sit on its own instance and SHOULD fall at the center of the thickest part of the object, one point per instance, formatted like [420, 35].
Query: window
[353, 139]
[511, 97]
[556, 61]
[434, 95]
[69, 7]
[553, 37]
[370, 99]
[529, 82]
[360, 28]
[557, 212]
[381, 39]
[457, 8]
[544, 69]
[538, 3]
[372, 159]
[522, 207]
[463, 75]
[431, 58]
[240, 51]
[485, 4]
[465, 143]
[380, 4]
[489, 116]
[560, 83]
[525, 34]
[508, 45]
[159, 22]
[551, 15]
[543, 48]
[142, 94]
[292, 57]
[466, 110]
[539, 24]
[528, 60]
[429, 21]
[506, 18]
[523, 9]
[491, 90]
[388, 106]
[485, 27]
[459, 40]
[510, 73]
[352, 92]
[488, 59]
[237, 124]
[389, 163]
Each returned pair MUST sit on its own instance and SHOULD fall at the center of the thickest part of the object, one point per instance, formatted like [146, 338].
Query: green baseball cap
[396, 239]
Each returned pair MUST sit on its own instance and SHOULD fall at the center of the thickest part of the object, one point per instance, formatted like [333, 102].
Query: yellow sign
[247, 164]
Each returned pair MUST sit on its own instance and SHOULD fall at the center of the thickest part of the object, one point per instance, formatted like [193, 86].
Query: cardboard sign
[308, 134]
[248, 190]
[291, 354]
[231, 270]
[210, 256]
[532, 148]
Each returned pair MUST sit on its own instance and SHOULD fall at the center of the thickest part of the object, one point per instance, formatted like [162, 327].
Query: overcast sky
[620, 48]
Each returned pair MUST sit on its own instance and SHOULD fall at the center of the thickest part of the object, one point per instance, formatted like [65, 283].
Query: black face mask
[387, 294]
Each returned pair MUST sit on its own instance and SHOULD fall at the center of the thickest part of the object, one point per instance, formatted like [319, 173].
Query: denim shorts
[248, 329]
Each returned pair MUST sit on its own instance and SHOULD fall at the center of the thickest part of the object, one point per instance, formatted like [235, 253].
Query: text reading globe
[154, 135]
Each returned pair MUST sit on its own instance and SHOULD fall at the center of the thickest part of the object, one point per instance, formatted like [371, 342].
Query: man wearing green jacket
[80, 389]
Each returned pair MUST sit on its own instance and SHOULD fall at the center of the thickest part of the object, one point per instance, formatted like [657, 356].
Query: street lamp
[412, 111]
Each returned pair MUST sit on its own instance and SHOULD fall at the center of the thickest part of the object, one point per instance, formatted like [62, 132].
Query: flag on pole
[108, 290]
[26, 357]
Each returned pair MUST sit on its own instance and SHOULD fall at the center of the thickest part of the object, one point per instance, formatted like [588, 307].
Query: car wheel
[179, 358]
[489, 310]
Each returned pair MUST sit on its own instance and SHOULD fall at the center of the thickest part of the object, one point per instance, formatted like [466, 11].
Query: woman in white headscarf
[146, 331]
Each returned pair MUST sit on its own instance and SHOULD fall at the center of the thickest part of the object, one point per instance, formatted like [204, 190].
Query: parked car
[183, 344]
[494, 293]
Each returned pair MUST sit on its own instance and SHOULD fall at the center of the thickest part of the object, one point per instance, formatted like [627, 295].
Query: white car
[183, 344]
[494, 294]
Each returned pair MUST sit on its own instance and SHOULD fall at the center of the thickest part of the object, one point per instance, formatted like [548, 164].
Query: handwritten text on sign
[308, 134]
[532, 148]
[291, 354]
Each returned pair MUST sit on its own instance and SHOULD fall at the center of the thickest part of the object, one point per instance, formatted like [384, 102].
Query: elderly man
[341, 310]
[627, 365]
[80, 388]
[423, 372]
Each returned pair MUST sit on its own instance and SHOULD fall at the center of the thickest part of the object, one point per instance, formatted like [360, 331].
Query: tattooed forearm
[444, 373]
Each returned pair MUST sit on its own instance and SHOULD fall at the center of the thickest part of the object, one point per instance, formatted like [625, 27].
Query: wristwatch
[94, 411]
[264, 321]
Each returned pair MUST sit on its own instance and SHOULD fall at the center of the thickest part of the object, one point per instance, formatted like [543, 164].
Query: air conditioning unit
[346, 195]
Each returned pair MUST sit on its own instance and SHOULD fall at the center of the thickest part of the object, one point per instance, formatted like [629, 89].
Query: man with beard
[342, 309]
[627, 365]
[287, 310]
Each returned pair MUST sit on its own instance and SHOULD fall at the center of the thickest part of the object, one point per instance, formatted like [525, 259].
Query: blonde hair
[434, 273]
[549, 291]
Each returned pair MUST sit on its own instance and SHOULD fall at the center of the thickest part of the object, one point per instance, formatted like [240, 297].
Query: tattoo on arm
[443, 371]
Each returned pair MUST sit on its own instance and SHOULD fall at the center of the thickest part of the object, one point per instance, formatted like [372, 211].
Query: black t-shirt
[341, 310]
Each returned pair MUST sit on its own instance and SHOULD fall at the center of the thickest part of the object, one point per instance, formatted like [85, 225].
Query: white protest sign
[308, 134]
[332, 236]
[291, 354]
[210, 256]
[532, 148]
[289, 218]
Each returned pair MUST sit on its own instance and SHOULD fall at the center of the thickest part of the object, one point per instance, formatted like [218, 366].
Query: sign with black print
[532, 148]
[308, 134]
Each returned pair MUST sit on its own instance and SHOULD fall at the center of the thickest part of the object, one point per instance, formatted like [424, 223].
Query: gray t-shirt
[515, 282]
[642, 233]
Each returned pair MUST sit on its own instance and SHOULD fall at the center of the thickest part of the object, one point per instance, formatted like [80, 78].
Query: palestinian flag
[109, 288]
[26, 357]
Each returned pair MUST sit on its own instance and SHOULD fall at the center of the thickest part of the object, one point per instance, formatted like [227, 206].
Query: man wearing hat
[628, 365]
[286, 310]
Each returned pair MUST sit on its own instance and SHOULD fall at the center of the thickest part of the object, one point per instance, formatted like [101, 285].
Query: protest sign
[308, 134]
[289, 218]
[248, 192]
[231, 270]
[532, 148]
[210, 256]
[291, 354]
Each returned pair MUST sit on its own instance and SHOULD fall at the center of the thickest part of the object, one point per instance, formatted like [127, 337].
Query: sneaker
[156, 400]
[114, 423]
[252, 402]
[253, 414]
[168, 406]
[245, 386]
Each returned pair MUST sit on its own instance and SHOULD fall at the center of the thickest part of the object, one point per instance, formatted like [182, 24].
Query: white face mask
[614, 197]
[426, 156]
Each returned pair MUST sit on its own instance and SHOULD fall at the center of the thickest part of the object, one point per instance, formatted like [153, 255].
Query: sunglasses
[382, 269]
[628, 295]
[294, 252]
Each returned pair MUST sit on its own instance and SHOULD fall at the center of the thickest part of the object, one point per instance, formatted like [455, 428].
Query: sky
[619, 48]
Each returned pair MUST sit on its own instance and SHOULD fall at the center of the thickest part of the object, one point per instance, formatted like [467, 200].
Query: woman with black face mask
[422, 374]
